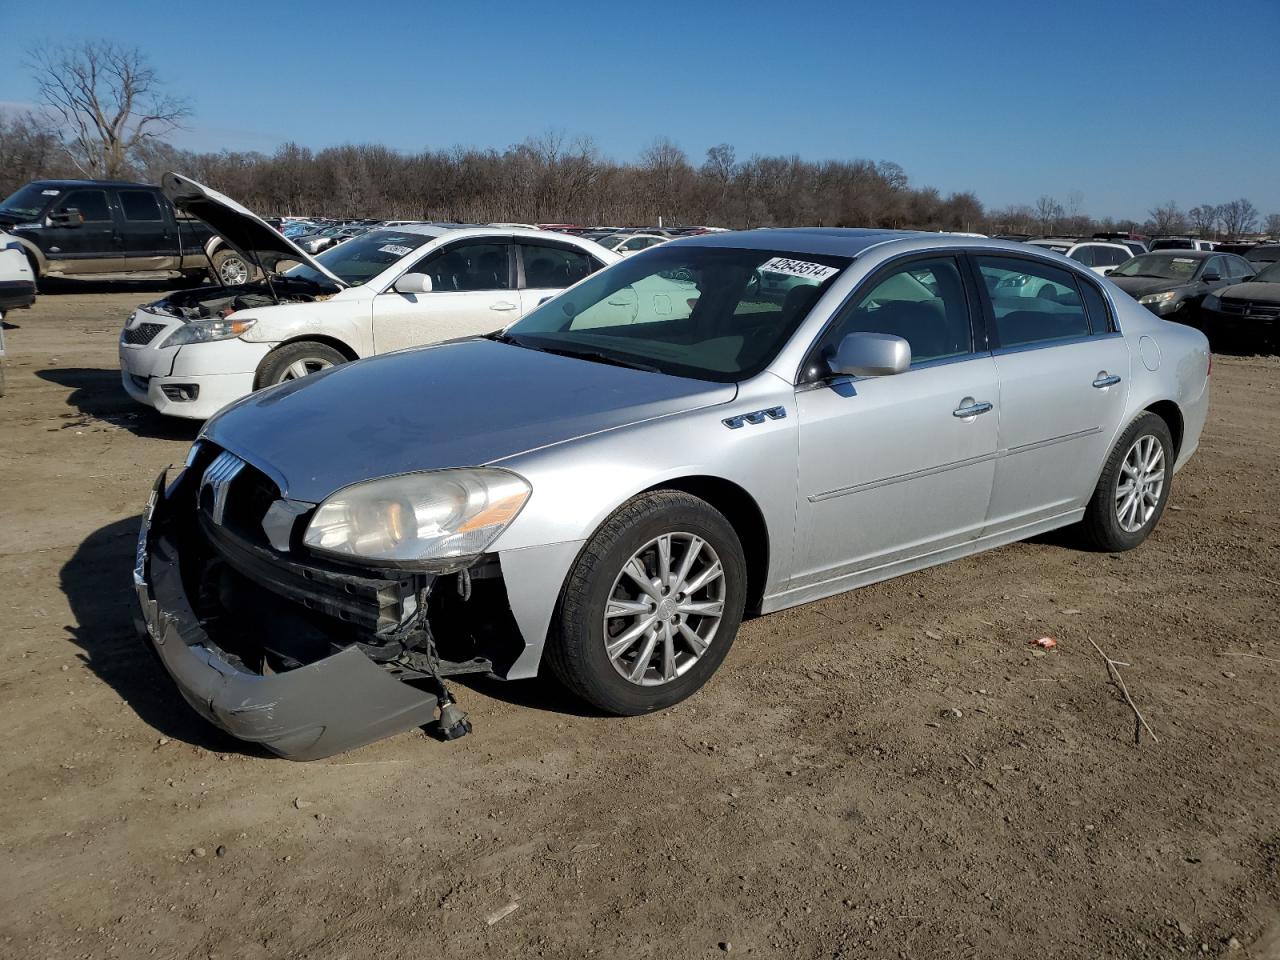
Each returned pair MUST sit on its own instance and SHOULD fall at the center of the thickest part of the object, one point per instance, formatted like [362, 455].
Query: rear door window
[549, 267]
[1085, 255]
[1032, 303]
[140, 206]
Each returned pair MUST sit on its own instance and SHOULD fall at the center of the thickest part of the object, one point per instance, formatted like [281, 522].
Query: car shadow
[57, 285]
[544, 693]
[97, 393]
[96, 581]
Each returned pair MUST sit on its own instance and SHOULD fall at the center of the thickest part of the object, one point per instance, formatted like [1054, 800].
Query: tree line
[106, 115]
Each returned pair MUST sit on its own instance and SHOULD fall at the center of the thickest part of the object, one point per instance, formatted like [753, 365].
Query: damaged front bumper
[315, 710]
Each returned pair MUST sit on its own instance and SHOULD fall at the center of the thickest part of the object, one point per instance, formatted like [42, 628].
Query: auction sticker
[1184, 260]
[799, 268]
[395, 248]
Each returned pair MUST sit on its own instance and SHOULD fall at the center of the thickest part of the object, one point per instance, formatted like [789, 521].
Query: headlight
[205, 331]
[1159, 297]
[419, 518]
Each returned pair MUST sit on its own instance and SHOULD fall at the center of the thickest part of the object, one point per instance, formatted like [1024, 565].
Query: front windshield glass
[1159, 266]
[29, 201]
[705, 312]
[362, 258]
[1269, 274]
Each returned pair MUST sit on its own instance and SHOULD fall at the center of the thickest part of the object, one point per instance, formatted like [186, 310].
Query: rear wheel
[296, 360]
[651, 606]
[1134, 487]
[231, 269]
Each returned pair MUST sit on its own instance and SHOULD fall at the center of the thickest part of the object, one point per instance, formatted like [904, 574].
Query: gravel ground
[890, 773]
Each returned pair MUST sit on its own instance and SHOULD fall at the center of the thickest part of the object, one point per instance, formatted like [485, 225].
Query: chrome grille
[142, 334]
[215, 483]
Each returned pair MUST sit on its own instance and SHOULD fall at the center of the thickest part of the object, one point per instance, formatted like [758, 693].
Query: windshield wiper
[596, 356]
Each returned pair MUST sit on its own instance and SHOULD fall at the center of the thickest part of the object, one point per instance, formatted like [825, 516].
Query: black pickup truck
[114, 230]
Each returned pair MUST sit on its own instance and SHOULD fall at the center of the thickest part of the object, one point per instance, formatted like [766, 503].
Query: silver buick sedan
[717, 427]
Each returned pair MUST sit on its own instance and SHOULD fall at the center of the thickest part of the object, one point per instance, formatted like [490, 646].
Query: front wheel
[1134, 487]
[651, 606]
[295, 360]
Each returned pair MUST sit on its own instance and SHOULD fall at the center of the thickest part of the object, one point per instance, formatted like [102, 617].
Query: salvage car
[194, 351]
[607, 486]
[1245, 315]
[1172, 284]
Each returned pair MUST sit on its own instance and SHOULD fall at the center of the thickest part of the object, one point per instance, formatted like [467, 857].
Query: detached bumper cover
[335, 704]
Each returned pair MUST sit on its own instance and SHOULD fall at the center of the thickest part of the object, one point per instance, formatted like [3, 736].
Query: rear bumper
[317, 710]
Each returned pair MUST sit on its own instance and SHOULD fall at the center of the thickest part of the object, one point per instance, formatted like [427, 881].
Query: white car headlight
[206, 331]
[1159, 297]
[419, 518]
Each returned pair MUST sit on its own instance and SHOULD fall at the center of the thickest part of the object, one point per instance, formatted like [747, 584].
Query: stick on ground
[1112, 669]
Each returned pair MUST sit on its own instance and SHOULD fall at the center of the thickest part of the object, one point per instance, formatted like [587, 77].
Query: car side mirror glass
[865, 354]
[1210, 277]
[413, 283]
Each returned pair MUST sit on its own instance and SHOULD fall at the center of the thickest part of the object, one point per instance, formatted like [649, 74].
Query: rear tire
[294, 361]
[587, 649]
[231, 269]
[1134, 487]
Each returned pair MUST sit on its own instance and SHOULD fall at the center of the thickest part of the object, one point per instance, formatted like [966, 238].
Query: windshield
[706, 312]
[1269, 274]
[1159, 266]
[609, 241]
[363, 258]
[29, 201]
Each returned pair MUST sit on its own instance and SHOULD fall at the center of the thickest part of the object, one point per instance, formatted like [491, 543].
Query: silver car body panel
[855, 481]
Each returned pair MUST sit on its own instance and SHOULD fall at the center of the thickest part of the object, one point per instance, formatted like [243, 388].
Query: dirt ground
[890, 773]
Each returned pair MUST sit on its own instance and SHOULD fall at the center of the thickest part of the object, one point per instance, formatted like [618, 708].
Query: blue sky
[1127, 102]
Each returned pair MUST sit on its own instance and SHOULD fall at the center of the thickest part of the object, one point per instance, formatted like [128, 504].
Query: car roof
[1182, 252]
[92, 183]
[838, 241]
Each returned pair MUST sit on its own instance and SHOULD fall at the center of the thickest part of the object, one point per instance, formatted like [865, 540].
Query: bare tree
[1048, 213]
[1272, 226]
[1167, 220]
[109, 100]
[1204, 220]
[1238, 217]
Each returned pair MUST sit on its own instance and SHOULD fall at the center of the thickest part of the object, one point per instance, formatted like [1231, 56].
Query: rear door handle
[1105, 379]
[971, 408]
[504, 306]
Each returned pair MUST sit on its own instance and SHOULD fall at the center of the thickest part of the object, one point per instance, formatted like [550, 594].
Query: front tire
[1134, 487]
[651, 606]
[294, 361]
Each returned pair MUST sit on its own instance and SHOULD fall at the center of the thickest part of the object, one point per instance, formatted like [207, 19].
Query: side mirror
[413, 283]
[869, 355]
[71, 217]
[1210, 277]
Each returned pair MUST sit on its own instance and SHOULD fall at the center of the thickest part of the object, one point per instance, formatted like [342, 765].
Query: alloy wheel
[234, 271]
[302, 367]
[1141, 483]
[664, 609]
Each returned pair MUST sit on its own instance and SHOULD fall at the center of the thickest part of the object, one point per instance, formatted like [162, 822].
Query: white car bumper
[195, 380]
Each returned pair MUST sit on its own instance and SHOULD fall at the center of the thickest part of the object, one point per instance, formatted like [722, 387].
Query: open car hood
[251, 236]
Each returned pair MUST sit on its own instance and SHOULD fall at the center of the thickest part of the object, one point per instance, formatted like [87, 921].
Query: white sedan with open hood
[195, 351]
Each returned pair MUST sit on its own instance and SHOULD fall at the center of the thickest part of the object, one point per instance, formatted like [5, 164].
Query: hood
[1258, 292]
[244, 230]
[1141, 286]
[457, 404]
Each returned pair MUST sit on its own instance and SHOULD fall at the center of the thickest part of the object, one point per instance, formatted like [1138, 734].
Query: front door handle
[504, 306]
[1105, 379]
[971, 408]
